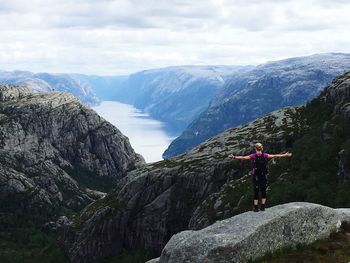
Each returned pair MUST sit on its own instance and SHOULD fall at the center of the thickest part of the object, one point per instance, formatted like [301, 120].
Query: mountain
[193, 190]
[261, 90]
[45, 82]
[175, 95]
[53, 145]
[56, 156]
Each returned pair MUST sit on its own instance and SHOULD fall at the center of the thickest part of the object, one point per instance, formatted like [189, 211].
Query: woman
[259, 172]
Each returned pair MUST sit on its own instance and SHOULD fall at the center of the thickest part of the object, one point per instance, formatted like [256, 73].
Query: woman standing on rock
[259, 172]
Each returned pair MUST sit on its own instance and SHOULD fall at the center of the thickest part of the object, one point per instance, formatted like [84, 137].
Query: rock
[344, 166]
[155, 260]
[11, 92]
[54, 227]
[337, 94]
[251, 235]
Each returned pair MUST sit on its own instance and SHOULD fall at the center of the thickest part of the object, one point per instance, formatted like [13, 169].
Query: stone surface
[155, 260]
[250, 235]
[344, 166]
[52, 146]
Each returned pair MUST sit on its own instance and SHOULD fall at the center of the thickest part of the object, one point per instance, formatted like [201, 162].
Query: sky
[117, 37]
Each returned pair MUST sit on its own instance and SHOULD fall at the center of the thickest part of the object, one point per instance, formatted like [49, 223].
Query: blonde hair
[259, 146]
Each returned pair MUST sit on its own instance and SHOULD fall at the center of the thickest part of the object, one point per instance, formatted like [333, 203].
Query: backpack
[260, 164]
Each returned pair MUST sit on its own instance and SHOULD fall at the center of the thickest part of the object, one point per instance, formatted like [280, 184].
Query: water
[146, 135]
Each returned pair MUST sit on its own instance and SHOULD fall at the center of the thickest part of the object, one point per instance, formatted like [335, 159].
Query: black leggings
[259, 183]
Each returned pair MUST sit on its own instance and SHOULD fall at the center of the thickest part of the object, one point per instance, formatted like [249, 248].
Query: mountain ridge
[267, 87]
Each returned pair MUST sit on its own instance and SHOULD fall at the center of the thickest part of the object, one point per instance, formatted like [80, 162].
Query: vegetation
[334, 249]
[310, 175]
[22, 238]
[127, 257]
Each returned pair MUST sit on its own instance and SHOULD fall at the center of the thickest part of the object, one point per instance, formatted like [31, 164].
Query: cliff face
[52, 148]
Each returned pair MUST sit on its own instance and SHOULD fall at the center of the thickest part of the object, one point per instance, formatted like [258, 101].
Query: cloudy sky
[111, 37]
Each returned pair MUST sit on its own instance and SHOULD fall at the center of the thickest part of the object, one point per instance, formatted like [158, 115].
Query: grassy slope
[334, 249]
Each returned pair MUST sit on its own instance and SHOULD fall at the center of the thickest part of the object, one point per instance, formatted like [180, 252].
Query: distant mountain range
[199, 102]
[175, 95]
[78, 85]
[267, 87]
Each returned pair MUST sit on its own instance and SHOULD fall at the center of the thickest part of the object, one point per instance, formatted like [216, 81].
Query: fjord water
[147, 136]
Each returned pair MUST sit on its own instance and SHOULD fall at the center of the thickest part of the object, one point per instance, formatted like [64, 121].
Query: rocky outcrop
[12, 92]
[344, 166]
[53, 149]
[266, 88]
[251, 235]
[154, 202]
[338, 95]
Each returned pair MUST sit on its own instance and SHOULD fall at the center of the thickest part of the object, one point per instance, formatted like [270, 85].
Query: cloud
[122, 36]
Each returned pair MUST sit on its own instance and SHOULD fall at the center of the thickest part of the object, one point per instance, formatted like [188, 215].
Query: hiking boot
[262, 207]
[256, 208]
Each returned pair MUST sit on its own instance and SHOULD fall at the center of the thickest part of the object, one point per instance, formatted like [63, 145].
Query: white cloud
[122, 36]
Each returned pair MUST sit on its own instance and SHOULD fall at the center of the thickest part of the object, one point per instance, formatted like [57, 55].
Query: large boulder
[250, 235]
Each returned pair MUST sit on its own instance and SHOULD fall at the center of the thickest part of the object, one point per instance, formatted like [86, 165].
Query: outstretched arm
[281, 155]
[233, 157]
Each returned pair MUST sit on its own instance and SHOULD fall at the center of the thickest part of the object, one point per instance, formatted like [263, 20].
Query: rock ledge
[251, 235]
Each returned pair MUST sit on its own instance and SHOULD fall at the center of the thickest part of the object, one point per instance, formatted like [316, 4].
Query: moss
[140, 256]
[91, 180]
[334, 249]
[109, 200]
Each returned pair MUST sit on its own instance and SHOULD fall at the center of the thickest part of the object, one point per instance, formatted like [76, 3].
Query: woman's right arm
[282, 155]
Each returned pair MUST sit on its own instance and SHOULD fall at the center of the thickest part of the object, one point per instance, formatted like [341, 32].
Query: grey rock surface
[250, 235]
[338, 94]
[155, 260]
[52, 146]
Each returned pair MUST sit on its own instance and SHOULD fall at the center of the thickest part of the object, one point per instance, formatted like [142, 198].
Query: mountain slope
[175, 95]
[266, 88]
[195, 189]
